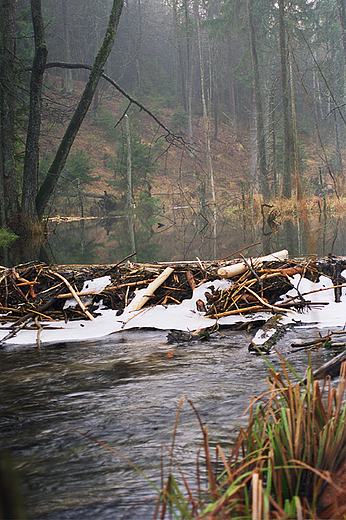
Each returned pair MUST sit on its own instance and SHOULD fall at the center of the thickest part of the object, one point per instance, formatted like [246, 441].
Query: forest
[126, 107]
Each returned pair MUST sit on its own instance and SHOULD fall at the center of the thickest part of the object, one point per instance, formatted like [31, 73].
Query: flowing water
[123, 391]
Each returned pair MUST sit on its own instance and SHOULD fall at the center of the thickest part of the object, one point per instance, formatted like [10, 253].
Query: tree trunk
[276, 180]
[342, 19]
[51, 179]
[68, 81]
[188, 29]
[297, 174]
[206, 122]
[230, 77]
[9, 183]
[253, 148]
[287, 123]
[129, 188]
[180, 53]
[338, 150]
[31, 159]
[262, 161]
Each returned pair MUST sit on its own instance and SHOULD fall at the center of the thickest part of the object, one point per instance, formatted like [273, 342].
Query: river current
[124, 391]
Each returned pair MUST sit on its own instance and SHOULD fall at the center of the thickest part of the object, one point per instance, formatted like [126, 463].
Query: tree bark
[59, 161]
[206, 123]
[180, 53]
[342, 18]
[189, 72]
[287, 123]
[9, 183]
[130, 216]
[297, 174]
[68, 81]
[31, 158]
[262, 161]
[276, 181]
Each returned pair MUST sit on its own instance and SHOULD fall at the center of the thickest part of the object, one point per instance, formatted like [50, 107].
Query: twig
[272, 307]
[75, 295]
[253, 271]
[175, 138]
[324, 289]
[237, 311]
[65, 296]
[121, 261]
[24, 320]
[239, 251]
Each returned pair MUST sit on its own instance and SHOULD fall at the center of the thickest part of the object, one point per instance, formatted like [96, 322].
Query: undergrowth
[6, 237]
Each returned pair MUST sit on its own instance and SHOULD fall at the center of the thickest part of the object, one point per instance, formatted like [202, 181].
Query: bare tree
[288, 163]
[53, 174]
[9, 183]
[31, 159]
[206, 123]
[262, 161]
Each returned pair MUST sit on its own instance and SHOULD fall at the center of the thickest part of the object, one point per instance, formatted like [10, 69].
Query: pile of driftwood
[41, 290]
[33, 293]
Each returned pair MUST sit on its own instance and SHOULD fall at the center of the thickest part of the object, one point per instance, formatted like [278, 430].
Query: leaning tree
[23, 201]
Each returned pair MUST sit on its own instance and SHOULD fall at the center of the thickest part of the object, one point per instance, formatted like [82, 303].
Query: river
[123, 391]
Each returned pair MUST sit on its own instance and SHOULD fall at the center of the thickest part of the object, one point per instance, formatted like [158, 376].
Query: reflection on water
[108, 240]
[124, 391]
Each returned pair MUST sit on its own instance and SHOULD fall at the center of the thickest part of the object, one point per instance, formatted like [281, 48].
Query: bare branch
[169, 134]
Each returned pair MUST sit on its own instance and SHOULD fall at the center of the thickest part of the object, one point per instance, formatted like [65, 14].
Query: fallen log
[236, 269]
[138, 302]
[331, 368]
[268, 335]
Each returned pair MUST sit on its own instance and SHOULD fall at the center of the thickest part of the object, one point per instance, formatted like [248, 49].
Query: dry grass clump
[281, 465]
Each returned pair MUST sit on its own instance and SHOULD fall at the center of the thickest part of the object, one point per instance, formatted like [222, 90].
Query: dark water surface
[107, 240]
[123, 391]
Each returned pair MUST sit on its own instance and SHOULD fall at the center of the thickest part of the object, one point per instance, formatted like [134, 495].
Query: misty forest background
[248, 99]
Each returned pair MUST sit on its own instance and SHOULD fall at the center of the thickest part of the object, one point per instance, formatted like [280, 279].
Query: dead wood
[139, 302]
[24, 289]
[75, 295]
[190, 279]
[22, 322]
[331, 368]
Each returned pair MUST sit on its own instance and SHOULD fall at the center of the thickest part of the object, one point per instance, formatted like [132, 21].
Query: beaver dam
[51, 303]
